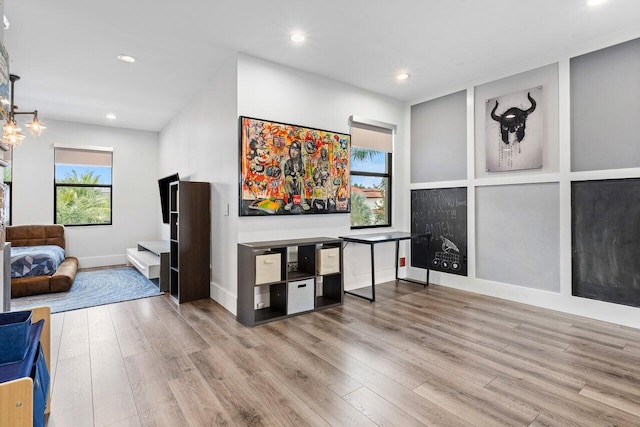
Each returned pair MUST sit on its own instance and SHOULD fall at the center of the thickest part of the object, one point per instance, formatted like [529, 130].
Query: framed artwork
[4, 80]
[292, 170]
[514, 131]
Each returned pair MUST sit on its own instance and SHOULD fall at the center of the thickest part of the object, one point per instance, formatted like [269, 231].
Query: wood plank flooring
[434, 356]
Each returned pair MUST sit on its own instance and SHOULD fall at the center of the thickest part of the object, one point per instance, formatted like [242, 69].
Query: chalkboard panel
[606, 240]
[443, 213]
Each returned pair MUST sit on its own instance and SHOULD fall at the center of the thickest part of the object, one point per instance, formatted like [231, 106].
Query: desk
[372, 240]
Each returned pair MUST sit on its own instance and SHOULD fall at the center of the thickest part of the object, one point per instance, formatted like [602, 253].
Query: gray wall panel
[605, 106]
[517, 230]
[439, 139]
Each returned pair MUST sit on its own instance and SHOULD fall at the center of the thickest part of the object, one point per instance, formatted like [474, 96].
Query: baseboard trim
[362, 280]
[223, 297]
[593, 309]
[101, 261]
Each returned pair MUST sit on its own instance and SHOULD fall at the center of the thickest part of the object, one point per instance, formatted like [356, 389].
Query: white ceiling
[65, 50]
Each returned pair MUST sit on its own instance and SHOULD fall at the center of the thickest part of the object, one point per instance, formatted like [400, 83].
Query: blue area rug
[93, 288]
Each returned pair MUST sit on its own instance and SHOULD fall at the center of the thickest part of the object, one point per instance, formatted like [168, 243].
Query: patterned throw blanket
[27, 261]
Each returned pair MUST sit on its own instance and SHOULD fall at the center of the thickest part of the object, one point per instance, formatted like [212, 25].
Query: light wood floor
[432, 356]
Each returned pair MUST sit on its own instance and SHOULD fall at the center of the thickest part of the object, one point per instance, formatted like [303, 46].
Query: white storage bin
[328, 260]
[268, 268]
[300, 296]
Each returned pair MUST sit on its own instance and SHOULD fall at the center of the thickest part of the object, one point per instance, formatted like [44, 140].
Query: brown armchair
[35, 235]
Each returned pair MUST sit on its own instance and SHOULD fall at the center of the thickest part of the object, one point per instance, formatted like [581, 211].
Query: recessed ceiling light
[297, 37]
[127, 58]
[403, 76]
[595, 2]
[111, 116]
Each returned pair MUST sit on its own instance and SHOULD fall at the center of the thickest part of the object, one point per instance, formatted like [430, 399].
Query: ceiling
[65, 51]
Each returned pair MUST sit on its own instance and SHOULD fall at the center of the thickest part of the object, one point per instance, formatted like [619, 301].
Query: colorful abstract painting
[287, 169]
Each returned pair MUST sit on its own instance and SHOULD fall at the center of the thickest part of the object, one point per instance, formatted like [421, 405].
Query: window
[371, 156]
[83, 186]
[370, 188]
[7, 157]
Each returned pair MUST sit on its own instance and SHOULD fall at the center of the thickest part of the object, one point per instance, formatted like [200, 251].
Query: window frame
[56, 185]
[10, 187]
[389, 192]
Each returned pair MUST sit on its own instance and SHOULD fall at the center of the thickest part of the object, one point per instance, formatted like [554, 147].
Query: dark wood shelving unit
[327, 288]
[190, 240]
[295, 275]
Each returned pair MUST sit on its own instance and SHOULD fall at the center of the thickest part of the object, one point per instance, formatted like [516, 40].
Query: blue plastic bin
[14, 336]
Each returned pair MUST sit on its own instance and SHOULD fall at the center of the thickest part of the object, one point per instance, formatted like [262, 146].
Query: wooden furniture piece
[16, 395]
[190, 240]
[36, 235]
[369, 292]
[151, 259]
[316, 284]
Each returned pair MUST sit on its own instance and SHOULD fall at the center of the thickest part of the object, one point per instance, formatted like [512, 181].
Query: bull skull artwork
[507, 146]
[513, 122]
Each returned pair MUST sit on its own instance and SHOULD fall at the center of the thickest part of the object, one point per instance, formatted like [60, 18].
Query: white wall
[201, 144]
[136, 202]
[273, 92]
[558, 171]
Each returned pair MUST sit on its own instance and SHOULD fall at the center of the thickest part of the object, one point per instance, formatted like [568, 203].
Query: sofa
[35, 235]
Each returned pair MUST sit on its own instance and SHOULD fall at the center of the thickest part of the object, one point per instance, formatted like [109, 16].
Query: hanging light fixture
[11, 132]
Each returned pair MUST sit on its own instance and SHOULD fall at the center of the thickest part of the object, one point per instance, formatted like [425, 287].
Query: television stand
[151, 258]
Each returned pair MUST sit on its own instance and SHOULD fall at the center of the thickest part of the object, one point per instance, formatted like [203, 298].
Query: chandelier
[11, 132]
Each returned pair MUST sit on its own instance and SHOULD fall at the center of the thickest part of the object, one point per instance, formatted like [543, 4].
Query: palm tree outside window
[83, 186]
[371, 174]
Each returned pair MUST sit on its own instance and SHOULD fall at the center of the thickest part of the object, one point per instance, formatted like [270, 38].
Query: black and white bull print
[514, 130]
[513, 122]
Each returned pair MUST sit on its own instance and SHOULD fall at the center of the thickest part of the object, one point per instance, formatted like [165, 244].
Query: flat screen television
[163, 183]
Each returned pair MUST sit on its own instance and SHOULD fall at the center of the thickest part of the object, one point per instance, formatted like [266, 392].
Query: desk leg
[397, 255]
[405, 279]
[373, 276]
[428, 249]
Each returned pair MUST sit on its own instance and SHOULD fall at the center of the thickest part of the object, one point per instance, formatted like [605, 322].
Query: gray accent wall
[517, 235]
[605, 107]
[439, 139]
